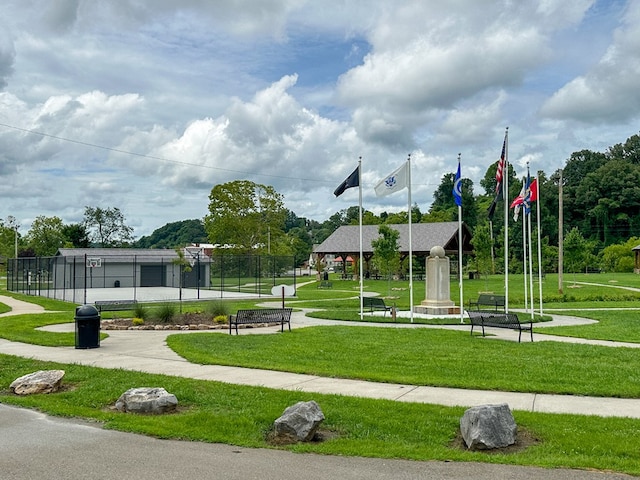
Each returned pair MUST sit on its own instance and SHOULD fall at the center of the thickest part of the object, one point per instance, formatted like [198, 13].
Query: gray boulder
[147, 400]
[42, 381]
[487, 427]
[299, 422]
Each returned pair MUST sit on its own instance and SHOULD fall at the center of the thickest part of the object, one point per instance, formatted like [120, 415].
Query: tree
[619, 257]
[482, 247]
[46, 236]
[575, 250]
[247, 217]
[444, 208]
[174, 235]
[386, 251]
[76, 235]
[107, 227]
[9, 236]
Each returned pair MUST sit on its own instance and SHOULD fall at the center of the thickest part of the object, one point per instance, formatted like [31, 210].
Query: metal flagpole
[524, 256]
[505, 196]
[410, 241]
[460, 254]
[528, 216]
[539, 244]
[360, 232]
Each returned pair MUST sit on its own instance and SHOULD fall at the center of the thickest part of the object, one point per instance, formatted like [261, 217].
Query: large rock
[42, 381]
[299, 422]
[487, 427]
[147, 400]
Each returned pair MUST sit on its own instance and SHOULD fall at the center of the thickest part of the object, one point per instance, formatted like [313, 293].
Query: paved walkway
[147, 351]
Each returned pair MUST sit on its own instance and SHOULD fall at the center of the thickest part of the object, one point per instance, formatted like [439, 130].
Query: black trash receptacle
[116, 284]
[87, 327]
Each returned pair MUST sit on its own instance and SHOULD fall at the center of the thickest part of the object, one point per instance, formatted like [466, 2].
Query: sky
[146, 105]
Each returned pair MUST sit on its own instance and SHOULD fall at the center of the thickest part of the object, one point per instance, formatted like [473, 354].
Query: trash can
[116, 284]
[87, 327]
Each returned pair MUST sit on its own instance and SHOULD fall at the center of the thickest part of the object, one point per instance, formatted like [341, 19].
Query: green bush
[140, 311]
[217, 308]
[166, 312]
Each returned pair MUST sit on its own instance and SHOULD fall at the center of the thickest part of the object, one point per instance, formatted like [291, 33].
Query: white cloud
[609, 91]
[291, 93]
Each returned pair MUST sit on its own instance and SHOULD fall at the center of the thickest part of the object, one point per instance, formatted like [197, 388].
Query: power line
[151, 157]
[168, 160]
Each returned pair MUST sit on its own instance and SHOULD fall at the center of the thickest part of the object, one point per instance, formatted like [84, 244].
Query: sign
[277, 291]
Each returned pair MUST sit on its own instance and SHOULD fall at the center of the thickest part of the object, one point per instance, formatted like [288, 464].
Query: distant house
[126, 267]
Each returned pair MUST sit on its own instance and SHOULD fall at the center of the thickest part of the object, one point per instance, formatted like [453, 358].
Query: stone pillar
[437, 288]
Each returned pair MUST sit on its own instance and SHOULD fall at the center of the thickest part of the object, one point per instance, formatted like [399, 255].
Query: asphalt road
[34, 446]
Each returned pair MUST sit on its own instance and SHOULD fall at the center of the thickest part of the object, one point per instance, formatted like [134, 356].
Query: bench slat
[263, 315]
[375, 303]
[499, 320]
[114, 305]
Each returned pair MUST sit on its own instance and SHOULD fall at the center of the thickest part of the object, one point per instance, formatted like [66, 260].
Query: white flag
[394, 182]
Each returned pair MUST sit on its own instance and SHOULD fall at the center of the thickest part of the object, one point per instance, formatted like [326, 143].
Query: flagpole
[528, 213]
[524, 257]
[460, 255]
[410, 240]
[505, 196]
[539, 245]
[360, 234]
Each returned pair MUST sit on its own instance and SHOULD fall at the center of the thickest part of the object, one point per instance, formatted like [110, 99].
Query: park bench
[325, 284]
[114, 305]
[260, 316]
[499, 320]
[489, 300]
[375, 303]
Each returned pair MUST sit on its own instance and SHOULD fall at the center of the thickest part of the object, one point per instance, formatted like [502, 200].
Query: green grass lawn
[425, 357]
[239, 415]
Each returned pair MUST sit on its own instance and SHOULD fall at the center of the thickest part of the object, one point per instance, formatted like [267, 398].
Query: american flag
[499, 170]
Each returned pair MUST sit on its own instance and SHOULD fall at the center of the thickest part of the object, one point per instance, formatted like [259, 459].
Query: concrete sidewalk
[147, 351]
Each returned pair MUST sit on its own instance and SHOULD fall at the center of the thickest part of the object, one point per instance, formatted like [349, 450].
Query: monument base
[436, 308]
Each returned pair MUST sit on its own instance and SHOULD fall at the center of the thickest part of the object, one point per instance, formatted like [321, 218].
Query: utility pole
[560, 236]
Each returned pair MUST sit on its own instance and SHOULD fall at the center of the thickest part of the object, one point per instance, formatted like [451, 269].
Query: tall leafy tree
[247, 217]
[482, 248]
[107, 227]
[46, 236]
[444, 208]
[76, 235]
[386, 251]
[575, 250]
[9, 235]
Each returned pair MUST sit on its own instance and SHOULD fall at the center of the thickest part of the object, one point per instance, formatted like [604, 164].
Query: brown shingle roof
[424, 236]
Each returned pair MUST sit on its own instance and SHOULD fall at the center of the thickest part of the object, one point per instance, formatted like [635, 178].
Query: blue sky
[290, 93]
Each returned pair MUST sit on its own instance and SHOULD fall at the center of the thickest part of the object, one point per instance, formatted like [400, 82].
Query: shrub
[140, 312]
[217, 308]
[137, 321]
[166, 312]
[220, 319]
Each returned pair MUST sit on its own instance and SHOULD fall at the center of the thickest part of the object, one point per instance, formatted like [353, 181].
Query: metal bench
[113, 305]
[325, 284]
[375, 303]
[499, 320]
[489, 300]
[260, 316]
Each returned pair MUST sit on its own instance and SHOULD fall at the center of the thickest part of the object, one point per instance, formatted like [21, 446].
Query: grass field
[239, 415]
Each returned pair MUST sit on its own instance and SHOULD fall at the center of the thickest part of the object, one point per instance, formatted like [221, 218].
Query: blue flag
[457, 188]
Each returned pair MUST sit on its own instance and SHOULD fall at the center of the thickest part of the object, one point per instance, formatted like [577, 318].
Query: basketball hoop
[94, 262]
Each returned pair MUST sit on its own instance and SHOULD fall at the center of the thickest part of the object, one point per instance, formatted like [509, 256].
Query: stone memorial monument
[438, 292]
